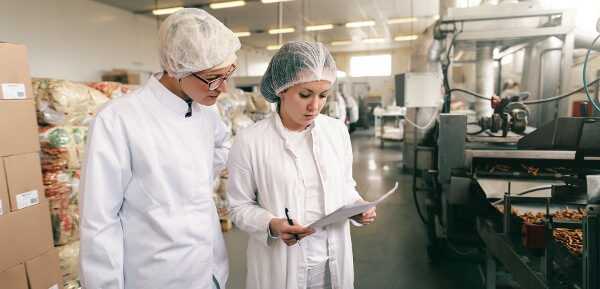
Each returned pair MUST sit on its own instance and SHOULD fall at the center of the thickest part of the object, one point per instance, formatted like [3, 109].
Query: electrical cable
[535, 189]
[587, 91]
[470, 93]
[419, 208]
[563, 95]
[431, 121]
[461, 252]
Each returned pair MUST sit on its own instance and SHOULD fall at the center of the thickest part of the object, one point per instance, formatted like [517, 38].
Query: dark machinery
[510, 114]
[551, 169]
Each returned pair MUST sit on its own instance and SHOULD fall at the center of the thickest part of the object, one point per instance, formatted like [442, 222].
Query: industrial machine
[514, 183]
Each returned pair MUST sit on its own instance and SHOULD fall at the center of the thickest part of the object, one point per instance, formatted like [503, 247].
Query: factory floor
[390, 253]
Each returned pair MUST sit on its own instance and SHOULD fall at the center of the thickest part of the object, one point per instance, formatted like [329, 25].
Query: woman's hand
[367, 217]
[280, 227]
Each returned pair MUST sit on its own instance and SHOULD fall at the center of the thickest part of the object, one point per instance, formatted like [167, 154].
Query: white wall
[79, 39]
[383, 86]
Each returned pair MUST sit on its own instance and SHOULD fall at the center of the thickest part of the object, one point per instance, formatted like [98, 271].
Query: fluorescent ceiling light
[360, 23]
[319, 27]
[281, 30]
[436, 17]
[242, 33]
[274, 1]
[341, 42]
[165, 11]
[406, 37]
[274, 47]
[219, 5]
[373, 40]
[402, 20]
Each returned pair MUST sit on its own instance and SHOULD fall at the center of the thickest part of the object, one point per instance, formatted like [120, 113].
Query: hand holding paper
[348, 211]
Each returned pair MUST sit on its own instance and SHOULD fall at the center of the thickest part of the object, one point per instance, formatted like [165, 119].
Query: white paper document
[348, 211]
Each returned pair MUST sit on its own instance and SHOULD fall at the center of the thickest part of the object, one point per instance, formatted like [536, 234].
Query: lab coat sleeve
[106, 172]
[222, 144]
[245, 211]
[351, 194]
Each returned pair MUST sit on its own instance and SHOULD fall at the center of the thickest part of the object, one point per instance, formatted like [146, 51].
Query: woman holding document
[297, 163]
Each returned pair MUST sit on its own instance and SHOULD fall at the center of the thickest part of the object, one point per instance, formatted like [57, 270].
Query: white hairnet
[191, 40]
[297, 62]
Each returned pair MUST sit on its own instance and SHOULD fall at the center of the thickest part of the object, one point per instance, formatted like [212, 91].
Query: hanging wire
[587, 91]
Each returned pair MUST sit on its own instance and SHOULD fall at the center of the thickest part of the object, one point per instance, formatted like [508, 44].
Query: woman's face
[301, 103]
[197, 90]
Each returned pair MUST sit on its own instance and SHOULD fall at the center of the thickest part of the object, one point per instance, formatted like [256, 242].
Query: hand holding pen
[289, 233]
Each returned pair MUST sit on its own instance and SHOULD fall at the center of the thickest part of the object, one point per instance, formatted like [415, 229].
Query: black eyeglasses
[215, 83]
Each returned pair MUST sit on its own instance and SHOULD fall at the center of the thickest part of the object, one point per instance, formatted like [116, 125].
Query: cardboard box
[15, 81]
[24, 179]
[122, 76]
[43, 272]
[14, 278]
[25, 235]
[18, 127]
[4, 200]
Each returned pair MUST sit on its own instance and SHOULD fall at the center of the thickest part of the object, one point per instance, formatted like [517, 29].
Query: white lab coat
[264, 177]
[148, 219]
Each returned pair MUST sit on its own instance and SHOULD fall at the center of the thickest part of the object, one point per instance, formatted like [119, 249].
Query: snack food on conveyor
[572, 239]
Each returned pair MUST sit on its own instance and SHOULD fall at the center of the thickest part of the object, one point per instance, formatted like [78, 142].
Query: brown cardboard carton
[14, 278]
[15, 81]
[24, 179]
[43, 272]
[25, 235]
[18, 127]
[4, 200]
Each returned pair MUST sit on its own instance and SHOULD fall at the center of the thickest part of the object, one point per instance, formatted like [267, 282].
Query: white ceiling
[258, 18]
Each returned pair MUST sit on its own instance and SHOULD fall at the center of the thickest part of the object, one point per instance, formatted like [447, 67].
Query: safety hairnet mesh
[297, 62]
[191, 40]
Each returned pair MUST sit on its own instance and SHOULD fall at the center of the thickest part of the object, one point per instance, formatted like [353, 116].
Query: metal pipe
[485, 78]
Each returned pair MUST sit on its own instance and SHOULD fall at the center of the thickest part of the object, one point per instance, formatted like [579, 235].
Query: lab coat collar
[281, 128]
[166, 97]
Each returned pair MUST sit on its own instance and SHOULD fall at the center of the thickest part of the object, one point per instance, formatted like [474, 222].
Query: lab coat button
[215, 268]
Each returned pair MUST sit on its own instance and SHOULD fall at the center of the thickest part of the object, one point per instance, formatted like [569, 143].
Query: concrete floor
[390, 253]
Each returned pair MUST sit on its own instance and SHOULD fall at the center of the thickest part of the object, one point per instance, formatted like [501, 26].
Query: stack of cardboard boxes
[28, 259]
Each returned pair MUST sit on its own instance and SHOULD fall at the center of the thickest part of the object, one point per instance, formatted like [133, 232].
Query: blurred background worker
[351, 111]
[148, 219]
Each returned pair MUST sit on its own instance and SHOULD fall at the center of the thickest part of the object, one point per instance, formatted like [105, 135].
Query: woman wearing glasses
[148, 219]
[298, 161]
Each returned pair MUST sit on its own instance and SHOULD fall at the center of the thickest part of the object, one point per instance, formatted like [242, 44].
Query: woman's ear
[280, 95]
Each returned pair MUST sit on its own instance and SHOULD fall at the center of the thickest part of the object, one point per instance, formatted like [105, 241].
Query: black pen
[290, 222]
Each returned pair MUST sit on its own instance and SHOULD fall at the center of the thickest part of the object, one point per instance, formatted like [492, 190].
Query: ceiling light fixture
[402, 20]
[341, 42]
[373, 40]
[274, 47]
[274, 1]
[436, 17]
[281, 30]
[242, 33]
[406, 37]
[360, 23]
[229, 4]
[165, 11]
[319, 27]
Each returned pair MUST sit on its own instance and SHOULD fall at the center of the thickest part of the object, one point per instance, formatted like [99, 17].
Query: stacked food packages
[64, 110]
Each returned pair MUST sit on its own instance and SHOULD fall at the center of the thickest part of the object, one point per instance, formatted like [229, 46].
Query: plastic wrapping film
[257, 116]
[62, 147]
[220, 196]
[62, 191]
[257, 103]
[231, 104]
[110, 89]
[240, 122]
[65, 102]
[69, 258]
